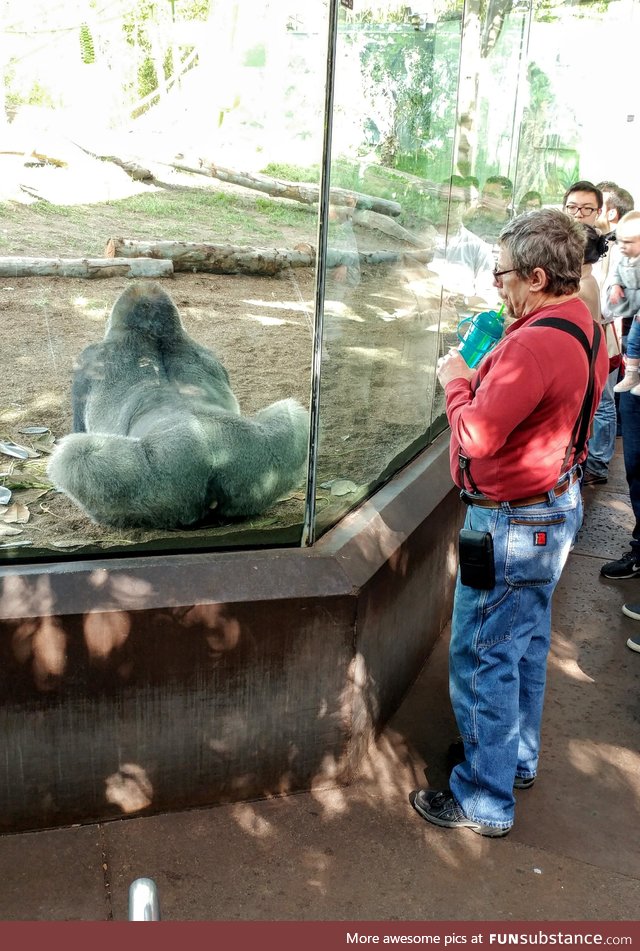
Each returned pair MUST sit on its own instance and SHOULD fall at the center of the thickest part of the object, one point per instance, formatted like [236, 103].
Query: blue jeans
[633, 340]
[498, 654]
[602, 444]
[630, 415]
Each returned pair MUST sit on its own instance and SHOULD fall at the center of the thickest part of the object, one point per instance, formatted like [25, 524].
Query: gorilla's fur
[158, 437]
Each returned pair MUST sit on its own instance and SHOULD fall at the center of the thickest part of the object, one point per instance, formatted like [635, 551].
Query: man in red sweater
[518, 435]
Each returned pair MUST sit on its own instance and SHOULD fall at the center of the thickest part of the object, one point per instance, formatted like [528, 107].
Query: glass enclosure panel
[463, 118]
[393, 138]
[197, 121]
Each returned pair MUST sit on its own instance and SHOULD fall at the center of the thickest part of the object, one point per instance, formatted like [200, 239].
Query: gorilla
[158, 437]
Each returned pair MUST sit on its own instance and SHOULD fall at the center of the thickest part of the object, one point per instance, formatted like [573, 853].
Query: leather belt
[559, 489]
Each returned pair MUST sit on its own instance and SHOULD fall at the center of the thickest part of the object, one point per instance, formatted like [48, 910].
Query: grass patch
[293, 215]
[44, 209]
[207, 215]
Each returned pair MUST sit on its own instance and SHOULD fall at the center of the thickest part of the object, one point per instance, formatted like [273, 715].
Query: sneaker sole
[476, 827]
[523, 783]
[633, 645]
[629, 613]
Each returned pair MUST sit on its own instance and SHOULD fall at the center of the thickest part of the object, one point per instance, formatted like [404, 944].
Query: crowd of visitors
[533, 427]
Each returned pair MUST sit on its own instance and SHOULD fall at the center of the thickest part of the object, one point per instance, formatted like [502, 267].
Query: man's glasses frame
[496, 273]
[573, 209]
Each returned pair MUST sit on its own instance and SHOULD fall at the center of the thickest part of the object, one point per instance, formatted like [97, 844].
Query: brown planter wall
[140, 685]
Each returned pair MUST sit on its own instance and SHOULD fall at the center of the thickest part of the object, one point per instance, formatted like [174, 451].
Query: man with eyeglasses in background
[583, 201]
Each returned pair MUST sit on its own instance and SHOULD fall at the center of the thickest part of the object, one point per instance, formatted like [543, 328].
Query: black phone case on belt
[477, 566]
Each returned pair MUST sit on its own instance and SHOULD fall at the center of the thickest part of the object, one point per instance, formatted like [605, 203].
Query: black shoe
[626, 567]
[441, 809]
[590, 478]
[524, 782]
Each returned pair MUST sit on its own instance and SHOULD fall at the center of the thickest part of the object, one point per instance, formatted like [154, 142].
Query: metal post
[143, 900]
[308, 529]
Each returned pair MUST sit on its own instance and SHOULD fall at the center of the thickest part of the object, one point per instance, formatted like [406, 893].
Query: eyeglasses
[496, 273]
[583, 209]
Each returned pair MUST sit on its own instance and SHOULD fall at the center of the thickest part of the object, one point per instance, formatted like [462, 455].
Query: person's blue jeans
[498, 653]
[633, 339]
[602, 443]
[630, 416]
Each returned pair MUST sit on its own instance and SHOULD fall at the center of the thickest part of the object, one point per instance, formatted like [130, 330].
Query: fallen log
[233, 259]
[84, 267]
[40, 157]
[139, 173]
[211, 258]
[306, 192]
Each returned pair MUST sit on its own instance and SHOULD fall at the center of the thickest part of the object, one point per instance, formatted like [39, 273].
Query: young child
[624, 296]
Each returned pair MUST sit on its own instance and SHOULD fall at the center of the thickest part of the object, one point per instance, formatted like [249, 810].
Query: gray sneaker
[524, 782]
[440, 808]
[634, 644]
[632, 610]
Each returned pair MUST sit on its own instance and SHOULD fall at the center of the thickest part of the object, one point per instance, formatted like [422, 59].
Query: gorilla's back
[159, 438]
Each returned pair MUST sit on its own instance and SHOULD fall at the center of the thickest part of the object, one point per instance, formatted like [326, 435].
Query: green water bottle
[481, 336]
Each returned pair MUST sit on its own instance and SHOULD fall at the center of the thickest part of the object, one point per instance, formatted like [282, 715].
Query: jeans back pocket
[537, 546]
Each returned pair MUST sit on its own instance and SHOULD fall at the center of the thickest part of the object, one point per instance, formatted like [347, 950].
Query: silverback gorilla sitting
[158, 437]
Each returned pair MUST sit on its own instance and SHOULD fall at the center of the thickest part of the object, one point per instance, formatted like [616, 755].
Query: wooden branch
[40, 157]
[306, 192]
[137, 172]
[232, 259]
[83, 267]
[211, 258]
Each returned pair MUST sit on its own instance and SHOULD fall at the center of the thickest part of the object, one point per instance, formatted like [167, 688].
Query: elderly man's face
[583, 206]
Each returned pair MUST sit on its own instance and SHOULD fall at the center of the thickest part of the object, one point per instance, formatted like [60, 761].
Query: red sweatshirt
[515, 418]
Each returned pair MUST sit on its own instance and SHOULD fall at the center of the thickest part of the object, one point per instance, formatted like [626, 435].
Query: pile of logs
[153, 259]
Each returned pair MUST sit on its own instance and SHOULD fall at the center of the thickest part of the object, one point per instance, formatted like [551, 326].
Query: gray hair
[549, 239]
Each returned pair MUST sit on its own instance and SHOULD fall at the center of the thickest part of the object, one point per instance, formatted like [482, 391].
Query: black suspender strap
[463, 465]
[578, 441]
[579, 436]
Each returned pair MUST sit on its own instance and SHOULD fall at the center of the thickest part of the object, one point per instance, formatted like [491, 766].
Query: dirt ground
[377, 394]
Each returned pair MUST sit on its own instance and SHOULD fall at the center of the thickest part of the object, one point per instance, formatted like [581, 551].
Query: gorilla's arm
[257, 460]
[88, 371]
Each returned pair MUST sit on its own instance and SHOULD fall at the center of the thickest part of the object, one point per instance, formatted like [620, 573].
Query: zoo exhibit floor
[362, 852]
